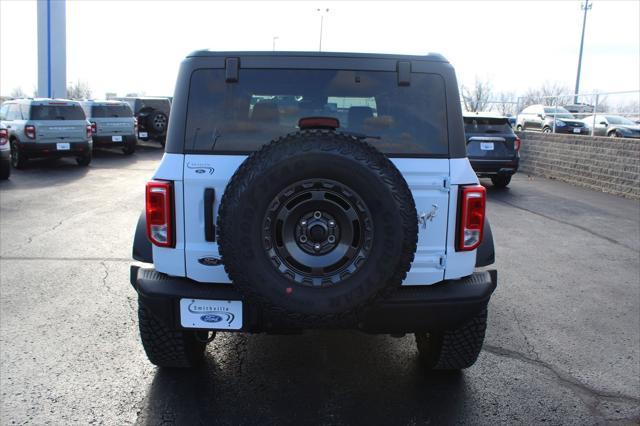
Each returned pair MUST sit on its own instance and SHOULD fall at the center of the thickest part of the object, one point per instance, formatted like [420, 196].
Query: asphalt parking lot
[563, 343]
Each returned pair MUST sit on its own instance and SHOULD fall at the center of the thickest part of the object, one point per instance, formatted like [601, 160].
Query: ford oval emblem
[200, 171]
[211, 318]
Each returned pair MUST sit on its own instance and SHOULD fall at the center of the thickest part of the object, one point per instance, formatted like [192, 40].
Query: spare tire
[315, 226]
[156, 122]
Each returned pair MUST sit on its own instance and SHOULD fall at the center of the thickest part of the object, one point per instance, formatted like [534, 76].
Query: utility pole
[322, 12]
[274, 42]
[586, 7]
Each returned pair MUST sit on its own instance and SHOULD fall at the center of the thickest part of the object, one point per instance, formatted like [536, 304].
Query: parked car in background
[46, 128]
[541, 118]
[5, 154]
[152, 114]
[492, 146]
[112, 124]
[614, 126]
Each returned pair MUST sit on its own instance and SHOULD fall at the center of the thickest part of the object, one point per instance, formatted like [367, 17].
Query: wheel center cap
[318, 233]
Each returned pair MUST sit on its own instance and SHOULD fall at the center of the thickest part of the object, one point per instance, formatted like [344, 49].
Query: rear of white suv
[315, 191]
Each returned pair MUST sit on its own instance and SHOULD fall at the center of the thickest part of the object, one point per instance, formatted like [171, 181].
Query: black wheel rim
[159, 121]
[317, 232]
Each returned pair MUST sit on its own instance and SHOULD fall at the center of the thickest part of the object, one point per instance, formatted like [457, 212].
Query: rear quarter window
[57, 112]
[265, 104]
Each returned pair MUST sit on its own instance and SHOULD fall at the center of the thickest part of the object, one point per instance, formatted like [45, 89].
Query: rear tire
[453, 350]
[518, 128]
[129, 149]
[157, 122]
[501, 181]
[84, 160]
[166, 347]
[18, 160]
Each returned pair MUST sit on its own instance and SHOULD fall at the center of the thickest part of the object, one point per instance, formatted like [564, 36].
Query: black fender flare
[142, 250]
[485, 254]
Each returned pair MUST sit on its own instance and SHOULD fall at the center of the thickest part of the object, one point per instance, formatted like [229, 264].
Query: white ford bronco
[314, 190]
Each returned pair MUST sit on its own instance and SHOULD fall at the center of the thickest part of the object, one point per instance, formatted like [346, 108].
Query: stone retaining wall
[603, 164]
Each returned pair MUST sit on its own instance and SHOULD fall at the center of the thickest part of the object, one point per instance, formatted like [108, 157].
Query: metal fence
[591, 105]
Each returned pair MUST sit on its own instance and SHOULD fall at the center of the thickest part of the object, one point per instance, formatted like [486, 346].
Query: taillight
[135, 124]
[30, 131]
[159, 213]
[471, 217]
[516, 144]
[94, 128]
[4, 136]
[89, 130]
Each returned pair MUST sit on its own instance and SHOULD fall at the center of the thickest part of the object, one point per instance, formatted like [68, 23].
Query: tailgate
[491, 147]
[57, 131]
[113, 126]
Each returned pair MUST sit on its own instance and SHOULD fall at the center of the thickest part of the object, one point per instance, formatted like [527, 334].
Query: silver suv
[46, 128]
[112, 124]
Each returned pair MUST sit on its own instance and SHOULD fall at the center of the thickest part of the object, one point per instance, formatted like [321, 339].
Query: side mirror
[541, 116]
[603, 123]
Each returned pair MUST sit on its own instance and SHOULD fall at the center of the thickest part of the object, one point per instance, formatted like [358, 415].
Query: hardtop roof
[433, 57]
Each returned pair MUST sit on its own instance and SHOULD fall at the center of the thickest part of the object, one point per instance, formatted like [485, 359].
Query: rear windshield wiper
[359, 135]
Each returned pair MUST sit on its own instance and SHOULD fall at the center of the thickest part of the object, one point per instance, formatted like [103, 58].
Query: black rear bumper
[40, 150]
[106, 141]
[441, 306]
[491, 167]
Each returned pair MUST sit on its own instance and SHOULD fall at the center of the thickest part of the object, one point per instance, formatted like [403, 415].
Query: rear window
[57, 112]
[161, 104]
[265, 104]
[100, 111]
[486, 125]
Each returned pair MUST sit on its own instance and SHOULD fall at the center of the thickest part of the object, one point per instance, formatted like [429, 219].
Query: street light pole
[586, 7]
[274, 42]
[321, 22]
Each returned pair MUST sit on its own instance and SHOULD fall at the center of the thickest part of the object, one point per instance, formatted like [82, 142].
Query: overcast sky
[133, 46]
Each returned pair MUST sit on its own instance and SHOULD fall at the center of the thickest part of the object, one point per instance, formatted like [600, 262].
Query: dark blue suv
[492, 146]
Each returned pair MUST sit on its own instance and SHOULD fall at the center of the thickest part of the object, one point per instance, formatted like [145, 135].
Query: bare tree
[628, 109]
[547, 94]
[78, 90]
[506, 103]
[476, 98]
[18, 93]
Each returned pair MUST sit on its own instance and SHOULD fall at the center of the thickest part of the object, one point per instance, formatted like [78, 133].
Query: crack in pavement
[589, 396]
[132, 308]
[54, 227]
[532, 349]
[564, 222]
[104, 279]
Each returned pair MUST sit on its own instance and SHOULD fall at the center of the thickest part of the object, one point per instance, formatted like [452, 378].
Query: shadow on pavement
[318, 378]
